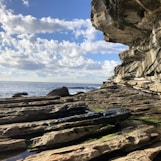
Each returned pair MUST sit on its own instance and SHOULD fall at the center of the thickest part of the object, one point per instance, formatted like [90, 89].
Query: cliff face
[136, 23]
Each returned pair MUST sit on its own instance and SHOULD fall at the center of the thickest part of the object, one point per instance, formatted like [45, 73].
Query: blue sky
[53, 41]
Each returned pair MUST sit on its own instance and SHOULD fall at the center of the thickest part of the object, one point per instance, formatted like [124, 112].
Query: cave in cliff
[136, 23]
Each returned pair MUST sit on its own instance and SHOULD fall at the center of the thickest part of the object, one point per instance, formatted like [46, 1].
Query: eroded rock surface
[74, 131]
[137, 24]
[42, 123]
[87, 151]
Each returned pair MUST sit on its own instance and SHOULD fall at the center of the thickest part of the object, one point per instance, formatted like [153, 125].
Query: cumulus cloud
[25, 52]
[19, 24]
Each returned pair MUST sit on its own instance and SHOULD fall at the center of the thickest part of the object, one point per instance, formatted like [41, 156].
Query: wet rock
[137, 101]
[62, 91]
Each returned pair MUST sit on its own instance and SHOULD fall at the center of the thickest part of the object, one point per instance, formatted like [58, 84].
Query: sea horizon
[9, 88]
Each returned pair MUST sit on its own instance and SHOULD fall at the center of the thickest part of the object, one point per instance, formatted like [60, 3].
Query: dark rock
[63, 92]
[20, 94]
[79, 93]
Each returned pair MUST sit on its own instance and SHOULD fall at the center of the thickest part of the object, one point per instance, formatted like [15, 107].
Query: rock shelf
[57, 129]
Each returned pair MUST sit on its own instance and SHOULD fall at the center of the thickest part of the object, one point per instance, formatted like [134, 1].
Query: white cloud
[18, 24]
[26, 2]
[108, 67]
[29, 56]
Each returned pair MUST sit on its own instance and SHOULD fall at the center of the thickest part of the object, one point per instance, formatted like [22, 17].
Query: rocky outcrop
[137, 24]
[127, 121]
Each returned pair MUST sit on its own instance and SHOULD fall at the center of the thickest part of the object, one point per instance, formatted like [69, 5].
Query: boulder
[62, 91]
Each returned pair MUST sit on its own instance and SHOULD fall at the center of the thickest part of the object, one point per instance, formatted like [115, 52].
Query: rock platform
[115, 122]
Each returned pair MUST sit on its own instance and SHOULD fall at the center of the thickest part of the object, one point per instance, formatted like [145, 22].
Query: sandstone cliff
[136, 23]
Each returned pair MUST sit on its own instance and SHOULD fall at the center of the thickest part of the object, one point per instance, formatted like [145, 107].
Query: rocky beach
[120, 121]
[114, 122]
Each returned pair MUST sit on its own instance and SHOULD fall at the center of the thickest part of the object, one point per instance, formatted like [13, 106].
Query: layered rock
[40, 123]
[12, 144]
[87, 151]
[72, 131]
[137, 24]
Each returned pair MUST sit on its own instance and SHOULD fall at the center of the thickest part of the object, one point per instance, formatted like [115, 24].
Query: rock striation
[135, 23]
[94, 149]
[126, 124]
[42, 123]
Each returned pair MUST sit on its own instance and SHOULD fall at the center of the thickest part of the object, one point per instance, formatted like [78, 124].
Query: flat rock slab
[12, 144]
[58, 138]
[88, 118]
[36, 113]
[70, 130]
[90, 150]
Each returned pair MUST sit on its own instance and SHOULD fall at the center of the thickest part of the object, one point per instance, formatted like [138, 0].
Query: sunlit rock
[137, 24]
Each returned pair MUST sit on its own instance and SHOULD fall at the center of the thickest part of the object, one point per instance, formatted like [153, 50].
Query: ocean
[9, 88]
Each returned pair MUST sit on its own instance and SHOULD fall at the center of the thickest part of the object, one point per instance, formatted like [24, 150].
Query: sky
[53, 41]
